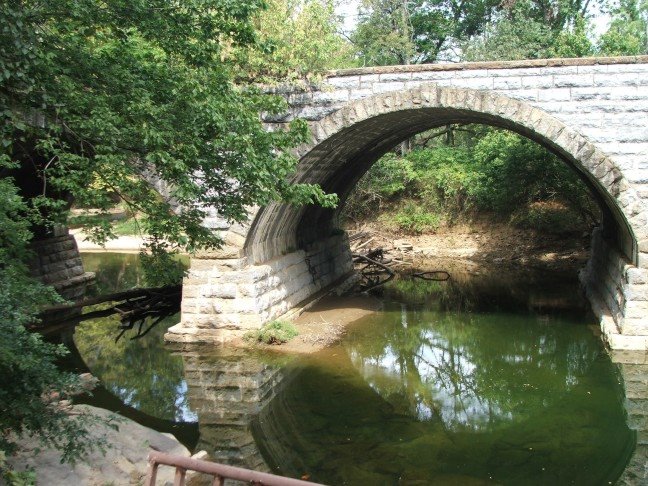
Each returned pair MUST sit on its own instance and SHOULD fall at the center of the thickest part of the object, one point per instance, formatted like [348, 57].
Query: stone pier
[227, 294]
[58, 263]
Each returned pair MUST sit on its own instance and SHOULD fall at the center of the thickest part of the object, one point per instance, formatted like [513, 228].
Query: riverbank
[124, 461]
[121, 244]
[485, 244]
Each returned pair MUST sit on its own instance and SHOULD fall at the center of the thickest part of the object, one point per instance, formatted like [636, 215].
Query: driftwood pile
[374, 265]
[377, 266]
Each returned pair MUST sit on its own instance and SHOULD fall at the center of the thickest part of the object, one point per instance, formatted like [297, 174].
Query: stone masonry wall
[225, 297]
[605, 99]
[618, 292]
[594, 112]
[634, 370]
[58, 263]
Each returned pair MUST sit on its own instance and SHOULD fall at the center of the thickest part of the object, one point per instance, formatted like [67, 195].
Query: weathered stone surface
[125, 461]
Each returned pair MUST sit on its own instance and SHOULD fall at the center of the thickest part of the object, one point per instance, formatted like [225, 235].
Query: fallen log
[355, 249]
[133, 306]
[118, 296]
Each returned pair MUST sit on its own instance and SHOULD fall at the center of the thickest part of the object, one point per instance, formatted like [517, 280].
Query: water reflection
[228, 388]
[473, 372]
[446, 386]
[113, 271]
[634, 370]
[141, 373]
[449, 397]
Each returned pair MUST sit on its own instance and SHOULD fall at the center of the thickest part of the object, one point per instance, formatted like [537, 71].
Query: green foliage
[415, 220]
[552, 218]
[299, 39]
[97, 98]
[118, 92]
[29, 377]
[141, 372]
[529, 31]
[15, 478]
[493, 171]
[397, 32]
[275, 332]
[628, 31]
[384, 34]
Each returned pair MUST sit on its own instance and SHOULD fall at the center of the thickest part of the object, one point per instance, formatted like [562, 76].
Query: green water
[488, 379]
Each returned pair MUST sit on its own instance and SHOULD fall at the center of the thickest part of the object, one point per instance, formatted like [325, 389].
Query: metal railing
[220, 472]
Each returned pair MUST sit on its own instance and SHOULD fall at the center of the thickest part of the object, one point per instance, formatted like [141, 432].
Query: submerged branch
[133, 306]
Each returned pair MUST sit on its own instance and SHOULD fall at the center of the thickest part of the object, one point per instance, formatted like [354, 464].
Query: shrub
[275, 332]
[414, 219]
[494, 172]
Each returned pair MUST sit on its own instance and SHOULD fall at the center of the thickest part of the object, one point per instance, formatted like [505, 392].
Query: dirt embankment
[492, 244]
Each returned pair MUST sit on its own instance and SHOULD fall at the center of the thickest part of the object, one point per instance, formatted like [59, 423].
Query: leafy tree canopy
[96, 94]
[416, 31]
[298, 39]
[525, 31]
[628, 31]
[98, 98]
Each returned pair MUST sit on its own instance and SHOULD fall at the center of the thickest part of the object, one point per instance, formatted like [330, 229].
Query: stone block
[573, 80]
[617, 79]
[636, 276]
[432, 75]
[507, 83]
[346, 82]
[226, 252]
[390, 77]
[554, 94]
[474, 83]
[220, 291]
[330, 97]
[523, 94]
[387, 87]
[635, 326]
[369, 78]
[642, 260]
[358, 94]
[191, 281]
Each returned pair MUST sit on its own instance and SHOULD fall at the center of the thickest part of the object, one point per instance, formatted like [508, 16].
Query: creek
[495, 378]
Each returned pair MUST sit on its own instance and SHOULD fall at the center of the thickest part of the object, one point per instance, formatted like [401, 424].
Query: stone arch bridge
[592, 113]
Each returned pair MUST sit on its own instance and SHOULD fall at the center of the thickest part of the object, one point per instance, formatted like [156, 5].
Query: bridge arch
[346, 143]
[590, 113]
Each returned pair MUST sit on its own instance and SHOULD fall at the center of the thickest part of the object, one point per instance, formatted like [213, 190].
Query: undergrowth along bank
[465, 172]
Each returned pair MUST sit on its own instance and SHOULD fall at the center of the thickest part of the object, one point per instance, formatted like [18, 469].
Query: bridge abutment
[618, 293]
[227, 294]
[58, 263]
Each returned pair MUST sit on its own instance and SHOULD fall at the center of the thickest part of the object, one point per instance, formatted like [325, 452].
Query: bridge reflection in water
[422, 408]
[449, 384]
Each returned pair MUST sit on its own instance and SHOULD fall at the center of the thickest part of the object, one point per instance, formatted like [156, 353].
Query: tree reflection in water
[425, 394]
[140, 372]
[472, 371]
